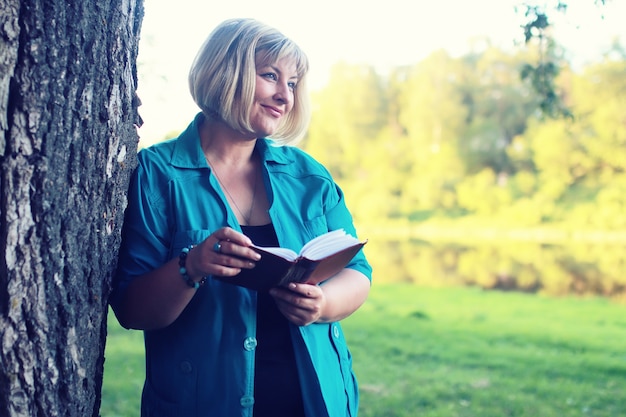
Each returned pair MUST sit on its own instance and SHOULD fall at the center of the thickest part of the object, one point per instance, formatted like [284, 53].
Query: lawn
[447, 352]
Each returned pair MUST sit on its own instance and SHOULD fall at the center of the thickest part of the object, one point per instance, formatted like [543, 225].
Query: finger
[227, 241]
[299, 318]
[220, 257]
[306, 290]
[290, 311]
[231, 235]
[217, 246]
[294, 302]
[296, 313]
[230, 248]
[231, 261]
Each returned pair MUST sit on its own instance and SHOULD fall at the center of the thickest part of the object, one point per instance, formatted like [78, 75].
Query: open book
[318, 260]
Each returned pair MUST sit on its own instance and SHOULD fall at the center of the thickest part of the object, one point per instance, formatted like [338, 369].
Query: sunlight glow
[403, 32]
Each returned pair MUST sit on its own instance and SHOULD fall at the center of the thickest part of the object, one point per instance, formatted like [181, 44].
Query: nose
[283, 92]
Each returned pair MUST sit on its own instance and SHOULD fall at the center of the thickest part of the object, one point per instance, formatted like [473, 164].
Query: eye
[270, 75]
[292, 85]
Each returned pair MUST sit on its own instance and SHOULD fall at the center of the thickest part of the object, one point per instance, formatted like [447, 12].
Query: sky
[383, 34]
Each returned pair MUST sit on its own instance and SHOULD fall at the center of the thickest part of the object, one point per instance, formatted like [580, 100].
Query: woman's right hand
[224, 253]
[155, 300]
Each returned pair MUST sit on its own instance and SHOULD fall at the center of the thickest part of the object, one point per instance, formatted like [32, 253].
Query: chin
[263, 133]
[265, 128]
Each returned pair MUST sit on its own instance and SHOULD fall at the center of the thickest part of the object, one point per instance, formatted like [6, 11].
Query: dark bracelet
[183, 270]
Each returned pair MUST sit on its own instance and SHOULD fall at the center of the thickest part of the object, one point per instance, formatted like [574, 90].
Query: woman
[196, 204]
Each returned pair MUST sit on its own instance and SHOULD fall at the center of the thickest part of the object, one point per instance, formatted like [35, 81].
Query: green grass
[123, 371]
[446, 352]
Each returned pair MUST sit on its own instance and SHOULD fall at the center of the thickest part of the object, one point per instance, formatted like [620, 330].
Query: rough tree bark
[67, 146]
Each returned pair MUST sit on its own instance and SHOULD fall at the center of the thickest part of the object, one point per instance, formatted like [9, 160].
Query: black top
[277, 390]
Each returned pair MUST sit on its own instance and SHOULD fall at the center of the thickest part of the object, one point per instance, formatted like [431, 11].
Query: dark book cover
[273, 270]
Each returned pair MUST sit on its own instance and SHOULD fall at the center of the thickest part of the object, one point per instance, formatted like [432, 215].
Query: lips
[274, 111]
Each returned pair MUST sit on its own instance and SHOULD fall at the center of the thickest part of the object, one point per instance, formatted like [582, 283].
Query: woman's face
[273, 96]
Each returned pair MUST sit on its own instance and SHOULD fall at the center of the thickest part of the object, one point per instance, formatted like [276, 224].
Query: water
[556, 270]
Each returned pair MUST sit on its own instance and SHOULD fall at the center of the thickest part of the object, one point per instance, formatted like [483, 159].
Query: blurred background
[459, 170]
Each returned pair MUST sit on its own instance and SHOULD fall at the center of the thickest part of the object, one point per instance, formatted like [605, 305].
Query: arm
[331, 301]
[156, 299]
[343, 294]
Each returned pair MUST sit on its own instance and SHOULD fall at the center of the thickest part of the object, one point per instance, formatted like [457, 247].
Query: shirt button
[249, 343]
[336, 331]
[185, 367]
[247, 401]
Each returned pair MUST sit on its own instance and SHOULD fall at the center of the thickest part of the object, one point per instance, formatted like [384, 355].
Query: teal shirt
[203, 363]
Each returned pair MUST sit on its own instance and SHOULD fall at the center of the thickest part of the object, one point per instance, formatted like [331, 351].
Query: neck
[225, 146]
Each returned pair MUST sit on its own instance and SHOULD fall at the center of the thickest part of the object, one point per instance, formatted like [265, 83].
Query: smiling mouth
[274, 111]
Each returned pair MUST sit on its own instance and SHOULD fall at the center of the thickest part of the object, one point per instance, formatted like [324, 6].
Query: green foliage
[452, 136]
[353, 113]
[498, 108]
[599, 98]
[542, 74]
[541, 77]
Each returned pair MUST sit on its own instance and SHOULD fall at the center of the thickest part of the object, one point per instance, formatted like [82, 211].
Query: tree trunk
[67, 147]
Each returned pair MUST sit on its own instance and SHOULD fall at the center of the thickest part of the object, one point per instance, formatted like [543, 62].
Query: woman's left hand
[301, 304]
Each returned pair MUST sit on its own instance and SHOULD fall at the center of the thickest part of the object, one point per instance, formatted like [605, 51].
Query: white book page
[327, 244]
[317, 248]
[282, 252]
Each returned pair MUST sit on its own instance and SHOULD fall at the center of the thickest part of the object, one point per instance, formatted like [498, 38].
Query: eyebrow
[280, 73]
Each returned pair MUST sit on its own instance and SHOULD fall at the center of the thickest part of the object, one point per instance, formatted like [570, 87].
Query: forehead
[286, 66]
[286, 62]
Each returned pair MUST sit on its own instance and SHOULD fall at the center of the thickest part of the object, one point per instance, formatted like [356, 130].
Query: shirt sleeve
[145, 236]
[338, 217]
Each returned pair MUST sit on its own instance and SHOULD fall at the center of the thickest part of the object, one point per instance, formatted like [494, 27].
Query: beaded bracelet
[183, 270]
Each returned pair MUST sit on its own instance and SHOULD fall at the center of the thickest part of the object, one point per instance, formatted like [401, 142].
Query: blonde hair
[222, 75]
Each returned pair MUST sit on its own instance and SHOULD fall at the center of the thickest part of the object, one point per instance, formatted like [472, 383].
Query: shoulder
[182, 152]
[165, 146]
[158, 152]
[154, 162]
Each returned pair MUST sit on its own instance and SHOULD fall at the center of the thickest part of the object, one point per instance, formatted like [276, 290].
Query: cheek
[291, 103]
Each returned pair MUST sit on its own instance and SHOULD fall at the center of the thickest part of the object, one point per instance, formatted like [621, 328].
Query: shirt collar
[272, 153]
[188, 152]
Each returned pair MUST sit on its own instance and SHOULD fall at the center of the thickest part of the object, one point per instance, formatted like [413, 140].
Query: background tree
[498, 106]
[67, 147]
[433, 115]
[353, 113]
[542, 72]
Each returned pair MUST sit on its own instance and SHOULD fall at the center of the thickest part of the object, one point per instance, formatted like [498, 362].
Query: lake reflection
[582, 269]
